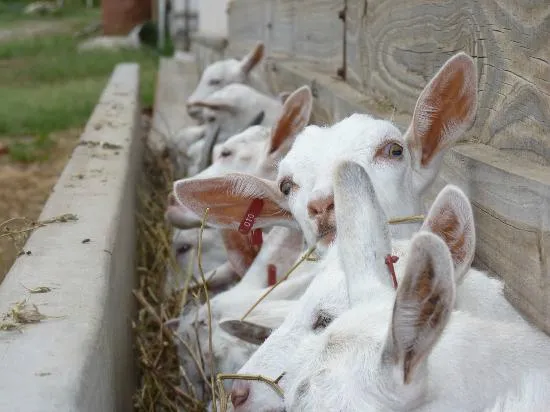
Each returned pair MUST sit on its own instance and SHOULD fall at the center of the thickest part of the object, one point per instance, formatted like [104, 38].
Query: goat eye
[214, 82]
[393, 150]
[210, 119]
[322, 321]
[184, 248]
[225, 153]
[286, 186]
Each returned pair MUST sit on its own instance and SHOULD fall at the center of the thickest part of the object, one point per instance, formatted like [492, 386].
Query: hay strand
[205, 289]
[285, 277]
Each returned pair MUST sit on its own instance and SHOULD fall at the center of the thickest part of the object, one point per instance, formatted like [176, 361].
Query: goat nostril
[320, 206]
[239, 395]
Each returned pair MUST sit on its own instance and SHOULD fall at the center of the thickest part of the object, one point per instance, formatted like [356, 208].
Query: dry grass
[160, 377]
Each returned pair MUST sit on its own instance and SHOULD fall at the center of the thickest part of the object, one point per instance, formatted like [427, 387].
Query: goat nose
[239, 393]
[320, 206]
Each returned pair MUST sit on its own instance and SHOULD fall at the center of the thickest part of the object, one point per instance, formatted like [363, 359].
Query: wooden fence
[376, 56]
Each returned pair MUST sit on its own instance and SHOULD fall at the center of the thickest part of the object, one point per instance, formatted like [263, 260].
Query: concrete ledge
[83, 361]
[175, 82]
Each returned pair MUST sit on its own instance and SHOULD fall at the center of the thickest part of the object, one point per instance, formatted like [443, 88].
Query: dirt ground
[24, 188]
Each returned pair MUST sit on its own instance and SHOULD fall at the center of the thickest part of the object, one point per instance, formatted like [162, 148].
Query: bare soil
[24, 188]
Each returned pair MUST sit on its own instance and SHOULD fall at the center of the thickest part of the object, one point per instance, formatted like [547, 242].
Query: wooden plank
[309, 29]
[402, 45]
[510, 197]
[395, 47]
[246, 21]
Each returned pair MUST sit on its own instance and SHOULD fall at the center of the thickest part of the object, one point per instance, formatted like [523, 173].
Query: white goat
[372, 358]
[281, 248]
[225, 72]
[181, 146]
[190, 144]
[402, 167]
[232, 110]
[332, 292]
[258, 151]
[184, 247]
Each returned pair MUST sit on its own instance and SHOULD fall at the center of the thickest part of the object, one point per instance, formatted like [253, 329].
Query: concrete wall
[83, 360]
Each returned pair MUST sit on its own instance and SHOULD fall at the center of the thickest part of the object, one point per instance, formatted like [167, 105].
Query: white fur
[225, 72]
[244, 152]
[281, 247]
[532, 394]
[181, 145]
[184, 247]
[347, 278]
[357, 364]
[245, 104]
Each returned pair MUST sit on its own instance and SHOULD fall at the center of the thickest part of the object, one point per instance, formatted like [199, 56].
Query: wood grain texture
[394, 47]
[402, 44]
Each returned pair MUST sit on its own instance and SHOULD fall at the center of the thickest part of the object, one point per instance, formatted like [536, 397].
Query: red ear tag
[249, 218]
[257, 237]
[271, 274]
[390, 260]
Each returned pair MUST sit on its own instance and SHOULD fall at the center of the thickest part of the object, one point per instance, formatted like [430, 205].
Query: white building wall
[213, 17]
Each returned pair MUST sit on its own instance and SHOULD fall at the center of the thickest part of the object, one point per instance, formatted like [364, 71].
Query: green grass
[47, 85]
[11, 12]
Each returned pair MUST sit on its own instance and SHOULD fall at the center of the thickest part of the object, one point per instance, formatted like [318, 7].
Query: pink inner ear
[295, 116]
[255, 58]
[240, 251]
[446, 224]
[229, 197]
[446, 106]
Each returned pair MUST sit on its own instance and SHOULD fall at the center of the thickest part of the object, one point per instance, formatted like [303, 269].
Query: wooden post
[161, 24]
[120, 17]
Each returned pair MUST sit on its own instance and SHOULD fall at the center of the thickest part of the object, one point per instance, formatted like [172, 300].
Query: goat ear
[445, 109]
[252, 59]
[257, 120]
[363, 235]
[172, 324]
[422, 307]
[451, 218]
[283, 96]
[179, 216]
[294, 117]
[240, 251]
[229, 198]
[215, 105]
[247, 331]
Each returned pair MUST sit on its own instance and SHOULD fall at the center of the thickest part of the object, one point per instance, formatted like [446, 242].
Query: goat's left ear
[179, 216]
[451, 218]
[247, 331]
[294, 117]
[252, 59]
[445, 109]
[422, 307]
[240, 251]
